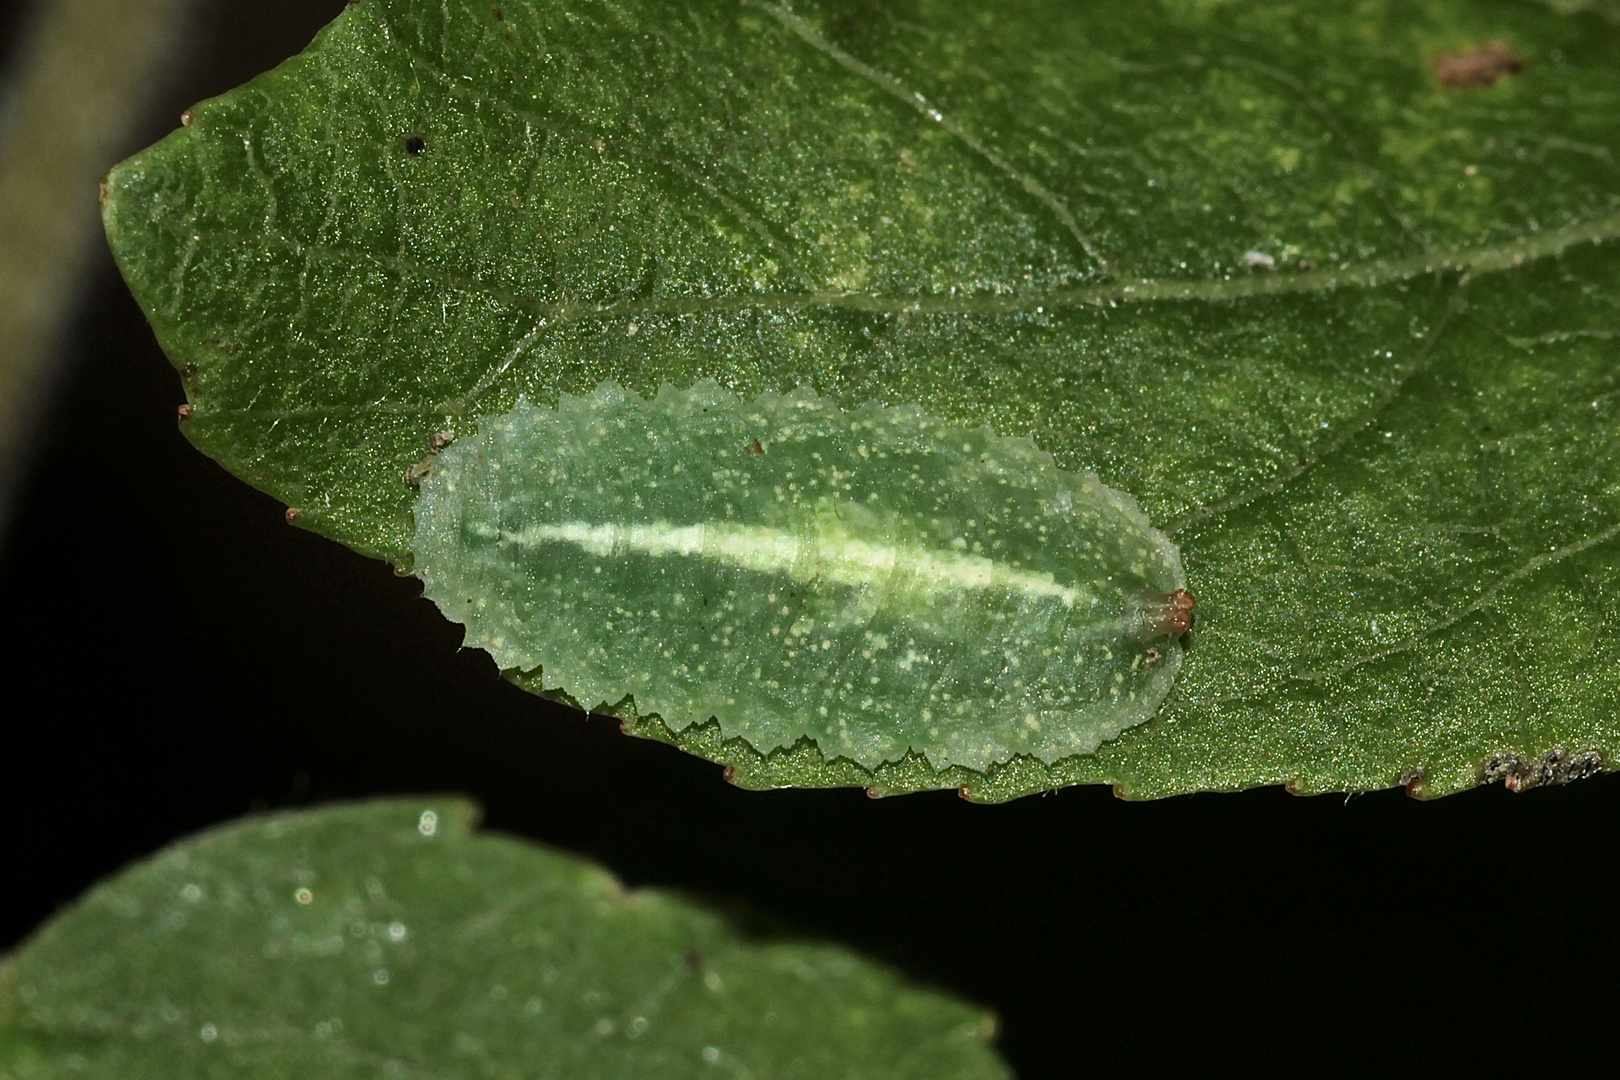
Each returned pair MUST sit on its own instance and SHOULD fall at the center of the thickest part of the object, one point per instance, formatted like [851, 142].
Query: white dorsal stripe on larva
[843, 559]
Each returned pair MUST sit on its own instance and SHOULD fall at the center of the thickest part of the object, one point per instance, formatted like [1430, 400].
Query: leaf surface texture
[1346, 332]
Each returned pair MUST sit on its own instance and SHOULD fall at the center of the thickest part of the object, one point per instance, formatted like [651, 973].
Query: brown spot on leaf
[183, 412]
[873, 793]
[755, 448]
[440, 440]
[728, 774]
[965, 792]
[292, 515]
[498, 16]
[1477, 67]
[1556, 766]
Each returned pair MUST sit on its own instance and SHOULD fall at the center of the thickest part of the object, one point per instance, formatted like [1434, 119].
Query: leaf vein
[1417, 362]
[897, 89]
[1530, 566]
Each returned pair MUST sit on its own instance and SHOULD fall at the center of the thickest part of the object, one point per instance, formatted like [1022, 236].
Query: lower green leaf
[389, 940]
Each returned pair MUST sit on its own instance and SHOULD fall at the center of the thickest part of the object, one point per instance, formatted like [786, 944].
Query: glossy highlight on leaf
[875, 581]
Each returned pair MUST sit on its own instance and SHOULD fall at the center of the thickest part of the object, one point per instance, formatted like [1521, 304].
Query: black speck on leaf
[415, 144]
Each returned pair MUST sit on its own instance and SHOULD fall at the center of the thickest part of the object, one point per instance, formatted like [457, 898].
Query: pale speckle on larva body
[874, 580]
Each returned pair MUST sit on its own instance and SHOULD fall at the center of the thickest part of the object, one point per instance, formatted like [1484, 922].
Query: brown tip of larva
[965, 792]
[1171, 616]
[185, 118]
[1179, 611]
[292, 515]
[101, 191]
[624, 727]
[1121, 792]
[728, 774]
[183, 412]
[873, 793]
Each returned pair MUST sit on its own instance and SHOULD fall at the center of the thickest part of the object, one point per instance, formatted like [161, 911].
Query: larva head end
[1172, 615]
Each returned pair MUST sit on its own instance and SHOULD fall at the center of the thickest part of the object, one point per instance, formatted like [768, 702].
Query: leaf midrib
[1473, 260]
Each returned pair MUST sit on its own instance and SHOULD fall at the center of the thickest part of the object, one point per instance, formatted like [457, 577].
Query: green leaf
[1348, 333]
[388, 940]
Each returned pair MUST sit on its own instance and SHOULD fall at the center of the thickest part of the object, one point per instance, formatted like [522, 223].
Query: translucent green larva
[874, 580]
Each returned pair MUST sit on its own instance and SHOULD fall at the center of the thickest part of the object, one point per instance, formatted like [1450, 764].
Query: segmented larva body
[873, 580]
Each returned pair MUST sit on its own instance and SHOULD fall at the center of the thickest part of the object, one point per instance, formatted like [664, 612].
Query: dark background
[173, 655]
